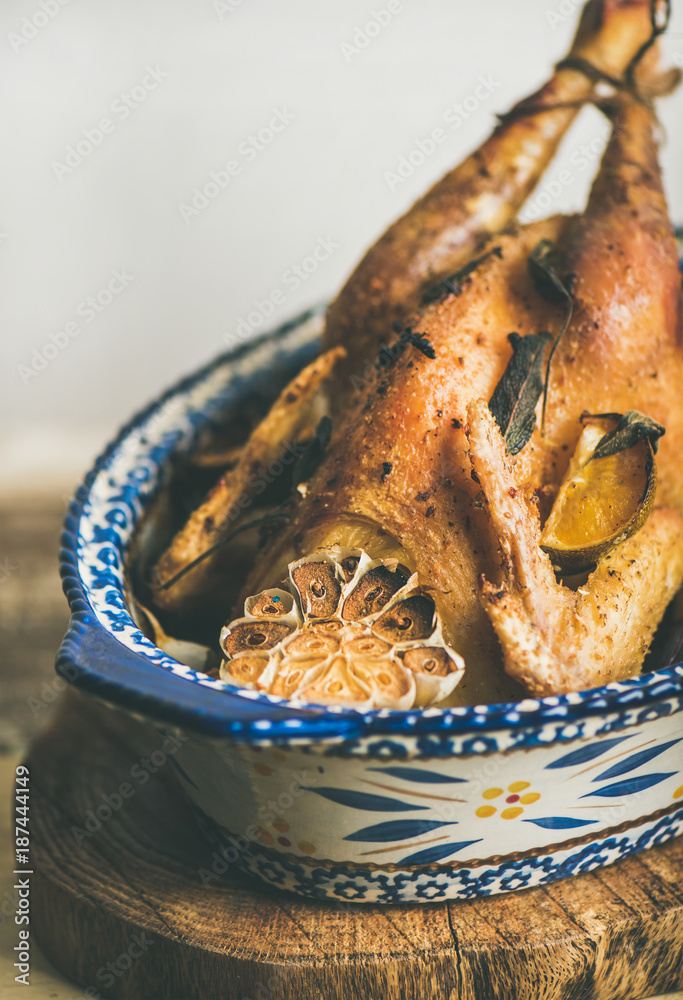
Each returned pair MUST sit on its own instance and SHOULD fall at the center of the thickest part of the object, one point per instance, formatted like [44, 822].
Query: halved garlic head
[348, 630]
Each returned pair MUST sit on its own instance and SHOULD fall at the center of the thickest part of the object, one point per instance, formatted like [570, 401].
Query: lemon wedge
[601, 501]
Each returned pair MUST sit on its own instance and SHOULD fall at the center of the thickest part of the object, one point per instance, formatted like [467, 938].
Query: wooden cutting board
[123, 910]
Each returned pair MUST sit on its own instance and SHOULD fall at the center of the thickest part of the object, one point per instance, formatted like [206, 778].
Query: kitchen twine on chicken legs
[582, 159]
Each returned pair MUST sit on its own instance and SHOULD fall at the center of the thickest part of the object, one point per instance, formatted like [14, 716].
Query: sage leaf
[454, 283]
[421, 342]
[632, 428]
[544, 264]
[513, 403]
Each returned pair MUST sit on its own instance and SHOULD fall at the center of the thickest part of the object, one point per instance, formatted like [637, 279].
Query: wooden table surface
[33, 617]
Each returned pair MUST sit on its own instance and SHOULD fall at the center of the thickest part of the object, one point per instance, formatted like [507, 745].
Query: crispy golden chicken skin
[417, 470]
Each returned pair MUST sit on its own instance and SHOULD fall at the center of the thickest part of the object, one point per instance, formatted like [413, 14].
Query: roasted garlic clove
[390, 684]
[270, 604]
[372, 592]
[249, 636]
[248, 669]
[409, 620]
[437, 671]
[317, 586]
[338, 684]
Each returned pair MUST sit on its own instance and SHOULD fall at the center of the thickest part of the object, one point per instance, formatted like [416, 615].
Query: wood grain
[614, 935]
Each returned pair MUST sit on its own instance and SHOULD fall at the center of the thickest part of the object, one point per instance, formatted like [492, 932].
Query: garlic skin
[349, 630]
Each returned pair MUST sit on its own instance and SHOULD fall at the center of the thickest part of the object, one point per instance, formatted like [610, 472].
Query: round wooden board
[123, 910]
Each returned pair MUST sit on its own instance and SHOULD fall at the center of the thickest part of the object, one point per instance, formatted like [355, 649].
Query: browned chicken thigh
[418, 476]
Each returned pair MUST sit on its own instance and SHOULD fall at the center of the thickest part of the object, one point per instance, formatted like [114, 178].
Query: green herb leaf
[454, 283]
[631, 429]
[544, 264]
[513, 403]
[420, 341]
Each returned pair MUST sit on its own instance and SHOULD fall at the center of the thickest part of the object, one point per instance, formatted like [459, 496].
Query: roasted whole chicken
[407, 564]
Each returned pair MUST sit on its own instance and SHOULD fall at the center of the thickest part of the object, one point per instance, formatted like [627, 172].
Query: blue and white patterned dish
[385, 806]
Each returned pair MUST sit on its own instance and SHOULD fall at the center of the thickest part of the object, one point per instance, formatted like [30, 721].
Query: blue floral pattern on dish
[350, 884]
[397, 829]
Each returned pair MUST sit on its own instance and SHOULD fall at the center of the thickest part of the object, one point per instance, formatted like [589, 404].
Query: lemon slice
[601, 501]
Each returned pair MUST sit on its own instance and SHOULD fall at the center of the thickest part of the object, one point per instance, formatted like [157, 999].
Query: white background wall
[224, 67]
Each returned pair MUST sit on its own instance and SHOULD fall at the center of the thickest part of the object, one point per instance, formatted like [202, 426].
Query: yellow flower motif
[515, 800]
